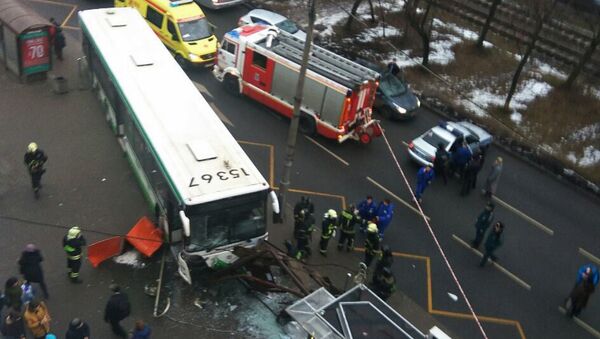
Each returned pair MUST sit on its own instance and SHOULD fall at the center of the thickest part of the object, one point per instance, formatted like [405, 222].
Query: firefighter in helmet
[372, 244]
[384, 283]
[330, 222]
[73, 243]
[35, 159]
[304, 226]
[348, 220]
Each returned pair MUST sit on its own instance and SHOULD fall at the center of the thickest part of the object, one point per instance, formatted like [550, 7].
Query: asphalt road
[549, 224]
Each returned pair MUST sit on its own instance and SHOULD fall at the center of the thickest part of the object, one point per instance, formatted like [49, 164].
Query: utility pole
[284, 184]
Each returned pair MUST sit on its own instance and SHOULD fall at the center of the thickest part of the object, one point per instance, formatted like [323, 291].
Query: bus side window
[154, 17]
[172, 30]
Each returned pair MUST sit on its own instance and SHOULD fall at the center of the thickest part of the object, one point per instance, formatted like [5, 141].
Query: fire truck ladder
[324, 62]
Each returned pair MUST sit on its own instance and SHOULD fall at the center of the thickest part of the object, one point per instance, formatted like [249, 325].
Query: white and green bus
[207, 194]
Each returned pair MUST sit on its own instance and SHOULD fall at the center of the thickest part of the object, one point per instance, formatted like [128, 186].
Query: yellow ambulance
[182, 27]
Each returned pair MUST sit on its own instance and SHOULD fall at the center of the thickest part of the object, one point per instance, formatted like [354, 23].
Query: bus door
[258, 70]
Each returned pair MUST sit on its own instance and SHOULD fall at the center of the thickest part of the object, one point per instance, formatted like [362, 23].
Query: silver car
[217, 4]
[422, 149]
[261, 16]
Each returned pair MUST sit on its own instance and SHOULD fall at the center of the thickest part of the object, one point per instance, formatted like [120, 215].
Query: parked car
[422, 149]
[261, 16]
[394, 100]
[218, 4]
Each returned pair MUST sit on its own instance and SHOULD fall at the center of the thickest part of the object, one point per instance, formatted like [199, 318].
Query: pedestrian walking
[491, 182]
[13, 294]
[384, 283]
[117, 309]
[483, 222]
[440, 162]
[386, 260]
[579, 296]
[78, 329]
[13, 326]
[30, 265]
[59, 42]
[372, 244]
[393, 68]
[35, 159]
[588, 271]
[348, 220]
[367, 211]
[471, 172]
[141, 330]
[37, 319]
[492, 242]
[385, 212]
[424, 177]
[73, 243]
[329, 225]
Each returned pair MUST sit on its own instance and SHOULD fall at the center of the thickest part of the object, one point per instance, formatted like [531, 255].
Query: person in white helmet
[35, 159]
[330, 223]
[372, 244]
[73, 243]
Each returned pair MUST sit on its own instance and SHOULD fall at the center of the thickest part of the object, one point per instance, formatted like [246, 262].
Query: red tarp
[104, 249]
[145, 237]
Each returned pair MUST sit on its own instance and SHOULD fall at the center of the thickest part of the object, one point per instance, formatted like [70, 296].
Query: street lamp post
[284, 184]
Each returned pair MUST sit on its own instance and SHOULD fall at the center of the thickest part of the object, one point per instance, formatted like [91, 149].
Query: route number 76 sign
[35, 52]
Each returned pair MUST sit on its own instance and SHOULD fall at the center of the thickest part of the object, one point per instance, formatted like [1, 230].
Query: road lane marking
[405, 143]
[396, 197]
[524, 216]
[220, 114]
[68, 16]
[581, 323]
[589, 255]
[328, 151]
[502, 269]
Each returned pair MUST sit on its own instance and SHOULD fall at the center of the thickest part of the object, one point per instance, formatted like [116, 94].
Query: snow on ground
[544, 68]
[481, 99]
[131, 258]
[589, 132]
[590, 157]
[329, 21]
[377, 32]
[593, 91]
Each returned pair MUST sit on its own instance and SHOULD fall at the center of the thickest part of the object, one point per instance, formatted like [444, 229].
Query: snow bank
[590, 157]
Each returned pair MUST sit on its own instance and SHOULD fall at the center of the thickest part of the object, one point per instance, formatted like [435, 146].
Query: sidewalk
[338, 264]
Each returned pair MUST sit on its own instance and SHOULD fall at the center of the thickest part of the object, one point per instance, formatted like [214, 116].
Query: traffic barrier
[145, 237]
[104, 249]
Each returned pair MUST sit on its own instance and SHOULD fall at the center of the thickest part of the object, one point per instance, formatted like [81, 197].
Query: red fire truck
[263, 63]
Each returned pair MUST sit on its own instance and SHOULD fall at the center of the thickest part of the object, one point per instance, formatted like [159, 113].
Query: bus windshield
[194, 29]
[226, 221]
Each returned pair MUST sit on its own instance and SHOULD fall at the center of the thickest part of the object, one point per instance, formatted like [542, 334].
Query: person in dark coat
[460, 158]
[367, 210]
[386, 261]
[117, 309]
[384, 215]
[13, 293]
[588, 271]
[483, 222]
[492, 242]
[471, 172]
[384, 284]
[78, 330]
[59, 42]
[73, 243]
[141, 331]
[13, 326]
[31, 268]
[579, 297]
[329, 226]
[393, 68]
[440, 163]
[424, 177]
[348, 220]
[372, 244]
[35, 159]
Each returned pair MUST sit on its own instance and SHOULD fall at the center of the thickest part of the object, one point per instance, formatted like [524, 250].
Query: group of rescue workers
[368, 217]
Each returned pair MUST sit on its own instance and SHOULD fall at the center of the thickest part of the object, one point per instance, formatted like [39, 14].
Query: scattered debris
[131, 258]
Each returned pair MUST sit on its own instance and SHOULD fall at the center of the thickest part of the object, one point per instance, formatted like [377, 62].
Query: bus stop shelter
[25, 39]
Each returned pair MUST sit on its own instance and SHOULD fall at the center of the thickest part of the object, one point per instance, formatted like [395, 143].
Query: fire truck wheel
[231, 84]
[181, 61]
[307, 125]
[365, 138]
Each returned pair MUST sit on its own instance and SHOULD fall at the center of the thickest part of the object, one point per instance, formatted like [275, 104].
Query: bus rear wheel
[307, 125]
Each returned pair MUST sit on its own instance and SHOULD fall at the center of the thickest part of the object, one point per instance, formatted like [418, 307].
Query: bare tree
[353, 11]
[594, 25]
[541, 11]
[419, 21]
[488, 22]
